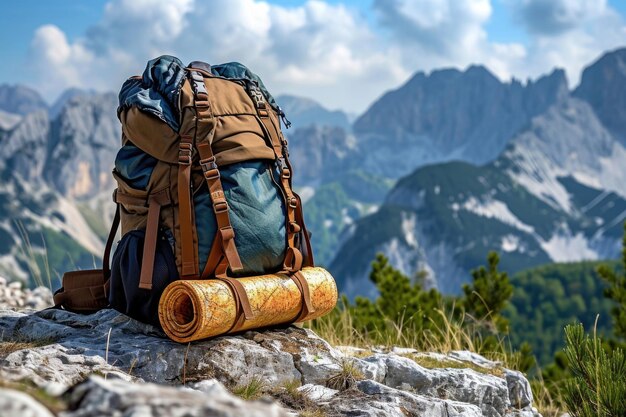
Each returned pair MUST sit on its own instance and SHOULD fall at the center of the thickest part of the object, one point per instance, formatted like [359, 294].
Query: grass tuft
[252, 390]
[9, 346]
[346, 378]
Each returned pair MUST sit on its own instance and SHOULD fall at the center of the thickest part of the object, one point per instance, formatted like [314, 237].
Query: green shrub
[488, 294]
[598, 385]
[617, 291]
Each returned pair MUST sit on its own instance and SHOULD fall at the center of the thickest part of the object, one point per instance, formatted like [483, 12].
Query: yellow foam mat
[197, 309]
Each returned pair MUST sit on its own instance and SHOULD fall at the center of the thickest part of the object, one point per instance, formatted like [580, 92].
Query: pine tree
[617, 291]
[488, 294]
[400, 304]
[598, 386]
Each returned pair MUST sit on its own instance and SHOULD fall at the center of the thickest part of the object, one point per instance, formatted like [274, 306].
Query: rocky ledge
[106, 364]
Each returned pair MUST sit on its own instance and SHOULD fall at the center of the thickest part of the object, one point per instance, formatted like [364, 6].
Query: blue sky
[343, 53]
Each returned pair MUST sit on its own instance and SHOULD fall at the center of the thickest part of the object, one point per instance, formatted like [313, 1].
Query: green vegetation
[547, 298]
[251, 390]
[363, 186]
[598, 386]
[47, 253]
[405, 314]
[506, 319]
[324, 218]
[55, 404]
[94, 218]
[488, 293]
[616, 291]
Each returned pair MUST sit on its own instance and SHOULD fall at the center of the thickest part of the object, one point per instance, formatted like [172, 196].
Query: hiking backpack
[204, 190]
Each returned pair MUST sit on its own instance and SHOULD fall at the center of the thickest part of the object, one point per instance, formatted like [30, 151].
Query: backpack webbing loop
[189, 266]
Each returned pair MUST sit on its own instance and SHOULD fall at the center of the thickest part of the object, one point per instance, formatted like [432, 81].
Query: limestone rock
[17, 404]
[98, 397]
[14, 296]
[149, 375]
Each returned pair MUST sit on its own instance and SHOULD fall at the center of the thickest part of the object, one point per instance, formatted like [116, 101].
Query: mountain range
[554, 192]
[434, 174]
[55, 164]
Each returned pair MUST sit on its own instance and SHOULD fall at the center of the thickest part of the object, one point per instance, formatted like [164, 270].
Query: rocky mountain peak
[83, 143]
[468, 115]
[603, 85]
[19, 99]
[546, 90]
[303, 112]
[315, 147]
[65, 97]
[23, 149]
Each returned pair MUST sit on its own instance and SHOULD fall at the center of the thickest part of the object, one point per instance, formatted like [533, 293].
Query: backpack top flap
[152, 111]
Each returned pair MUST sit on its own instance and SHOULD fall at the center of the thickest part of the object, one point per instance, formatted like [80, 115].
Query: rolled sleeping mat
[197, 309]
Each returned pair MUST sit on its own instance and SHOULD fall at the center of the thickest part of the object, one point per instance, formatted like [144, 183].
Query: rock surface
[14, 296]
[108, 364]
[98, 397]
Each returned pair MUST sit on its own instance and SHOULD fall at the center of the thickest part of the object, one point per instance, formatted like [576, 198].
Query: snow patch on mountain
[567, 140]
[495, 209]
[569, 248]
[8, 120]
[510, 243]
[408, 228]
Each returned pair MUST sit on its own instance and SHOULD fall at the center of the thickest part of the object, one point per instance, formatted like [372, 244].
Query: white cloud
[436, 33]
[568, 34]
[325, 51]
[319, 50]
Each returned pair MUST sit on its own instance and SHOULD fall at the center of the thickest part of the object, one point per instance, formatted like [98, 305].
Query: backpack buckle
[210, 168]
[220, 207]
[197, 81]
[282, 166]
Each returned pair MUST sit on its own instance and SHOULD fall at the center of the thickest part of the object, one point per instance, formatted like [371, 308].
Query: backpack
[204, 190]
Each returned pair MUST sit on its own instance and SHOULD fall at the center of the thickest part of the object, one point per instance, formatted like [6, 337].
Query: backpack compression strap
[223, 251]
[189, 265]
[294, 259]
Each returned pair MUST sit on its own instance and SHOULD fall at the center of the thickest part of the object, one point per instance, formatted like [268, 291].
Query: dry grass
[291, 397]
[9, 346]
[346, 378]
[313, 413]
[30, 254]
[546, 402]
[449, 334]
